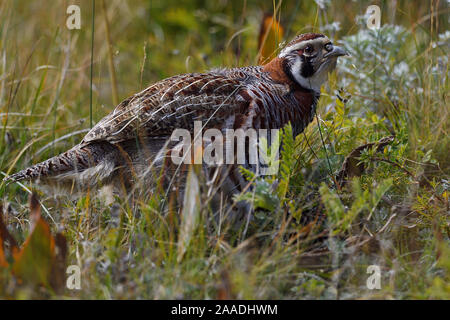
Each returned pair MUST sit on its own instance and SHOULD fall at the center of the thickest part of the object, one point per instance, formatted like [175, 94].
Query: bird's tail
[76, 160]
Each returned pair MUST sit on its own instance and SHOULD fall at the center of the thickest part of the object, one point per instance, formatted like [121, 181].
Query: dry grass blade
[270, 35]
[190, 213]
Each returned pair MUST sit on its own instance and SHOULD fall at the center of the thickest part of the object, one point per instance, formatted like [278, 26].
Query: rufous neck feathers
[277, 71]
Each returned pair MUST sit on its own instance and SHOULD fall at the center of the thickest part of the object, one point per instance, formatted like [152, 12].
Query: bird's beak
[336, 52]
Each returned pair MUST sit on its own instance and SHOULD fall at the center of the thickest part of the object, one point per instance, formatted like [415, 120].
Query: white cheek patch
[314, 82]
[296, 70]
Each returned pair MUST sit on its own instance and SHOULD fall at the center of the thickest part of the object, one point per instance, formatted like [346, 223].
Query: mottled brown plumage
[285, 90]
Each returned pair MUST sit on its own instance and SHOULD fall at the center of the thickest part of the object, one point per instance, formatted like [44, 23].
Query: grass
[394, 214]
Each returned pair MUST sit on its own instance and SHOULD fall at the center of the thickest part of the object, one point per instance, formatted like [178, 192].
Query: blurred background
[151, 40]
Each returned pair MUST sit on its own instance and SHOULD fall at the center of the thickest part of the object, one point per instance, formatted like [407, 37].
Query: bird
[285, 90]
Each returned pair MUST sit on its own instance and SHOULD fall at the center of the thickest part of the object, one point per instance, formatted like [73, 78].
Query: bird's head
[308, 59]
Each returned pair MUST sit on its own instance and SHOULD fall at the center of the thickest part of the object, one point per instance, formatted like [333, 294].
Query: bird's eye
[329, 47]
[308, 49]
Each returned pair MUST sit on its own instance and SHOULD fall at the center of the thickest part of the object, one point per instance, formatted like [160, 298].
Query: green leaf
[288, 161]
[262, 196]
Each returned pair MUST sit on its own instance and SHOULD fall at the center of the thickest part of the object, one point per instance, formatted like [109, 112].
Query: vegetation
[369, 186]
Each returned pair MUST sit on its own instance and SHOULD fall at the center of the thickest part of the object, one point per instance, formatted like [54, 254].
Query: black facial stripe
[307, 69]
